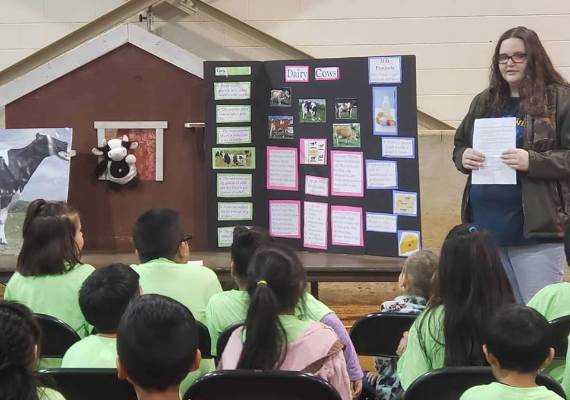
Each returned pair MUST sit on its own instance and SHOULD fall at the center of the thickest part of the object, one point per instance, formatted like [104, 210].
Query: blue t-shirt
[498, 208]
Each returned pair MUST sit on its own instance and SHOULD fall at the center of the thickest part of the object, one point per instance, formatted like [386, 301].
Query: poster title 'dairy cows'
[327, 73]
[296, 73]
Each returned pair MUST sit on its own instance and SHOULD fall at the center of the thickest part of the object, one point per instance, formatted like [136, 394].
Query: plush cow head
[117, 165]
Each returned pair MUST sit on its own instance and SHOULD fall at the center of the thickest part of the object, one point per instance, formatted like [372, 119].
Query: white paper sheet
[346, 226]
[315, 225]
[234, 185]
[225, 236]
[385, 69]
[492, 136]
[233, 113]
[381, 174]
[378, 222]
[232, 90]
[285, 218]
[235, 211]
[282, 168]
[316, 185]
[398, 147]
[233, 134]
[347, 173]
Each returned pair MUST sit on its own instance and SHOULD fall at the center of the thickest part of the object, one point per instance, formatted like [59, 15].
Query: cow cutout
[22, 163]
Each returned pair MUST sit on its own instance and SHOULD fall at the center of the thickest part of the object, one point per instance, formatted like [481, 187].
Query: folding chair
[260, 385]
[204, 341]
[57, 336]
[450, 383]
[89, 383]
[560, 332]
[379, 334]
[223, 339]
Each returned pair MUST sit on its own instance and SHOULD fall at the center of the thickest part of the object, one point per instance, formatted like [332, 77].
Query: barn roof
[95, 48]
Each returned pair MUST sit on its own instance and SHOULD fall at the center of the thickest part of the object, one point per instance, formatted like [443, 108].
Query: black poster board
[351, 98]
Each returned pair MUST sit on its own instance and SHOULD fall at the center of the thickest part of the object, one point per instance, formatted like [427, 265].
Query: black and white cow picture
[309, 110]
[22, 163]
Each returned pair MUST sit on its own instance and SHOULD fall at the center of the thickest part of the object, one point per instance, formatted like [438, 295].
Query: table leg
[315, 289]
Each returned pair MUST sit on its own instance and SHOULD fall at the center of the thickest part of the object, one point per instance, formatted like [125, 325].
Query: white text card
[315, 225]
[347, 173]
[226, 114]
[398, 147]
[316, 185]
[232, 90]
[381, 174]
[235, 211]
[378, 222]
[285, 218]
[346, 226]
[233, 134]
[385, 69]
[282, 171]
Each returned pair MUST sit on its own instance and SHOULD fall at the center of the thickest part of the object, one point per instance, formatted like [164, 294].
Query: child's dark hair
[419, 269]
[470, 283]
[105, 295]
[157, 341]
[275, 283]
[245, 242]
[158, 233]
[49, 246]
[19, 334]
[519, 337]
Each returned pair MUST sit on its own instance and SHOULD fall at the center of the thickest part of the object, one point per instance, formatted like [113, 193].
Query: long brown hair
[49, 246]
[539, 74]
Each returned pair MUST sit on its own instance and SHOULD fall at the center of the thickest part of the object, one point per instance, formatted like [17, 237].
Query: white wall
[452, 39]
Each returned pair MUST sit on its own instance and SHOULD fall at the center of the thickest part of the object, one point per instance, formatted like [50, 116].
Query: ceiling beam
[75, 38]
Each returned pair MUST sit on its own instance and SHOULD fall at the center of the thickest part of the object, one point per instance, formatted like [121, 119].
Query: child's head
[19, 341]
[275, 283]
[105, 295]
[469, 283]
[158, 233]
[157, 343]
[417, 274]
[519, 339]
[245, 242]
[52, 239]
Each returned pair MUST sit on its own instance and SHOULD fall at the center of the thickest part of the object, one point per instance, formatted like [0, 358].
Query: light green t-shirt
[498, 391]
[230, 307]
[191, 285]
[55, 295]
[553, 301]
[415, 361]
[49, 394]
[94, 351]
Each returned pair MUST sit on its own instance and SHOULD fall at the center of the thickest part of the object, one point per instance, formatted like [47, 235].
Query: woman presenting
[527, 219]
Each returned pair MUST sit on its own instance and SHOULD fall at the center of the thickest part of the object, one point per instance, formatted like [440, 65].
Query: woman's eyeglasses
[516, 58]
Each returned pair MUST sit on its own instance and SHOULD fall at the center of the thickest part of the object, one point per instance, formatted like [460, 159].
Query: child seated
[415, 282]
[553, 301]
[230, 307]
[163, 250]
[273, 338]
[157, 344]
[516, 344]
[49, 271]
[103, 298]
[19, 342]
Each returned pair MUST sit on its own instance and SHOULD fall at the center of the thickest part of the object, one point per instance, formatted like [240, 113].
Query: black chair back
[260, 385]
[560, 332]
[379, 334]
[224, 338]
[89, 383]
[450, 383]
[204, 341]
[57, 336]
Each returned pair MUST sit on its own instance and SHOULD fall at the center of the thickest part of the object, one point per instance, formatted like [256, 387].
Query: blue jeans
[530, 268]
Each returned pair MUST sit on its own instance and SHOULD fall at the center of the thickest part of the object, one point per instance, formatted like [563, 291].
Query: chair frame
[45, 348]
[561, 331]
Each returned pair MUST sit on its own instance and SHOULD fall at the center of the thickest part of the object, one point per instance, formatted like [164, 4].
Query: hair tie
[262, 282]
[472, 229]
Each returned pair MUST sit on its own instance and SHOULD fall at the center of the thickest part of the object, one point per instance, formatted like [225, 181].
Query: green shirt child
[94, 351]
[497, 391]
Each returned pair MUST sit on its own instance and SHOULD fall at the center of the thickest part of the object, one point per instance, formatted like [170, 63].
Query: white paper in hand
[492, 136]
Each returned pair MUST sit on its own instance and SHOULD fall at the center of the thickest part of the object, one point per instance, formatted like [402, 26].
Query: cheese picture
[408, 242]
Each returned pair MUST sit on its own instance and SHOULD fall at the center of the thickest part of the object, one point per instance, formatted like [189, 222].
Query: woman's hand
[472, 159]
[356, 388]
[516, 159]
[372, 377]
[403, 344]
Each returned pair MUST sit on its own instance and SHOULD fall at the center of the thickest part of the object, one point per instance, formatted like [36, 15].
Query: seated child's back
[163, 251]
[48, 271]
[103, 298]
[516, 345]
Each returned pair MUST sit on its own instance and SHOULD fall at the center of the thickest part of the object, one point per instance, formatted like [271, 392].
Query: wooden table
[321, 267]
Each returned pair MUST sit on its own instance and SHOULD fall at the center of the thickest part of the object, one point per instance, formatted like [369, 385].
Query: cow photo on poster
[34, 163]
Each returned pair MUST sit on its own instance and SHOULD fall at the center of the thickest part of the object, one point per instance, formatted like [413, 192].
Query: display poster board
[323, 153]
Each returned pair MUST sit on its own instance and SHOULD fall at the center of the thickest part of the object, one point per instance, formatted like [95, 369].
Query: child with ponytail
[19, 341]
[273, 338]
[49, 272]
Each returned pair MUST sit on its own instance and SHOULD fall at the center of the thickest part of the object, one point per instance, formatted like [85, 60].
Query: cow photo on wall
[34, 163]
[281, 127]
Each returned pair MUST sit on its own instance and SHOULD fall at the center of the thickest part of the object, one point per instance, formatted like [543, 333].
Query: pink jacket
[317, 350]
